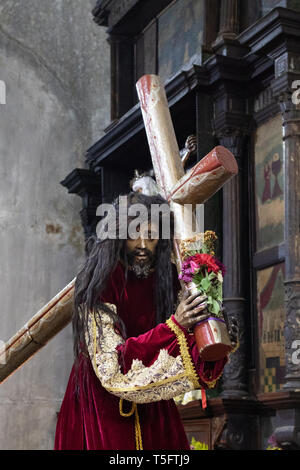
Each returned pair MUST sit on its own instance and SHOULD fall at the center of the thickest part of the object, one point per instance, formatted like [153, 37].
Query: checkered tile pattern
[270, 380]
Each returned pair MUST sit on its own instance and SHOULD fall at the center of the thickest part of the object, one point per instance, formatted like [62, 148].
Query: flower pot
[212, 339]
[211, 335]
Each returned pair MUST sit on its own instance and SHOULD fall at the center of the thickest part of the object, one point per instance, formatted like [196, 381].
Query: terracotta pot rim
[210, 318]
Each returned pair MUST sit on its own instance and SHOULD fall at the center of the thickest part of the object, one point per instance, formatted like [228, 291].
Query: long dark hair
[103, 257]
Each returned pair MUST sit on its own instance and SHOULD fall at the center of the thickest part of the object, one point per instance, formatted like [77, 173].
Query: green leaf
[198, 278]
[205, 283]
[219, 291]
[215, 307]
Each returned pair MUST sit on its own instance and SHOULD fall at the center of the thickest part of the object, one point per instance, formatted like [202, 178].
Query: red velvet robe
[91, 419]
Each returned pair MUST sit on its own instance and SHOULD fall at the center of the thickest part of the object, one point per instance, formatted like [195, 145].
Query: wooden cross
[178, 188]
[171, 178]
[204, 180]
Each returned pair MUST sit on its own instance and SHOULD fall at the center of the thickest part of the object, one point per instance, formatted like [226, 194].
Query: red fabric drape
[90, 418]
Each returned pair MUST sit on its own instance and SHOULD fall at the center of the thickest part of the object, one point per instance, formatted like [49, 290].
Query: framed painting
[271, 319]
[269, 184]
[180, 36]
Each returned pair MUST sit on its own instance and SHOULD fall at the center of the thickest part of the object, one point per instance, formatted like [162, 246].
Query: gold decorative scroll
[42, 327]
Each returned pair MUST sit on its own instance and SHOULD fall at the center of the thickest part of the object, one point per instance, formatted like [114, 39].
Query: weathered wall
[54, 61]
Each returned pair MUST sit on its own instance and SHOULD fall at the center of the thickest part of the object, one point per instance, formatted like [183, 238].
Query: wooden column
[239, 430]
[226, 42]
[231, 127]
[122, 75]
[285, 84]
[229, 18]
[288, 436]
[234, 383]
[291, 139]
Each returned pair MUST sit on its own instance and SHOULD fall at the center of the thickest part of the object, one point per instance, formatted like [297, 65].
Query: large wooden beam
[42, 327]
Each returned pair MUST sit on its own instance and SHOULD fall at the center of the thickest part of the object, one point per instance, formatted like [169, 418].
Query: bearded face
[141, 252]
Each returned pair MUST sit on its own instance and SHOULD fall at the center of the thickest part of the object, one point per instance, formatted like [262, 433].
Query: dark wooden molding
[130, 17]
[253, 72]
[110, 12]
[127, 16]
[193, 410]
[270, 35]
[100, 13]
[266, 258]
[116, 143]
[233, 421]
[220, 406]
[280, 400]
[245, 406]
[82, 181]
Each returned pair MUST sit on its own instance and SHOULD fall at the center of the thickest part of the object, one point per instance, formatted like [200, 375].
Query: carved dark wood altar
[238, 85]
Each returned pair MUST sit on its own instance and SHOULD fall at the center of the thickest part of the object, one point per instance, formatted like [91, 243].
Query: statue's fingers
[192, 297]
[200, 310]
[185, 294]
[198, 300]
[199, 318]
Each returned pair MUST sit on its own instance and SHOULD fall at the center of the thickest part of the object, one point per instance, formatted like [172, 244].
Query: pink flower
[194, 267]
[186, 277]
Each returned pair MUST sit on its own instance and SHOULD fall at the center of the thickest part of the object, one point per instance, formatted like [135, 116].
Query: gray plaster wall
[54, 61]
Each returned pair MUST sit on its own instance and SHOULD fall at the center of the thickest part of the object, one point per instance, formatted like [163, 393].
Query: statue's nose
[142, 243]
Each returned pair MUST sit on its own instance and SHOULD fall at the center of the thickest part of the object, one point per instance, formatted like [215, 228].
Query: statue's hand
[190, 147]
[191, 310]
[191, 143]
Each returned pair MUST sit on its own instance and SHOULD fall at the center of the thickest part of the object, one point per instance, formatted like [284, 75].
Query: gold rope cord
[137, 425]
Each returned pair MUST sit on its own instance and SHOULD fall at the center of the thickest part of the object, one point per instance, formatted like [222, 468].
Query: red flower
[207, 260]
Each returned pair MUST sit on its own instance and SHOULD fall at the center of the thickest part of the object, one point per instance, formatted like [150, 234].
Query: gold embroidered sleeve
[166, 378]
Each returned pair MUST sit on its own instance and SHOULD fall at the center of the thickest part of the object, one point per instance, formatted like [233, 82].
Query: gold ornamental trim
[135, 388]
[184, 352]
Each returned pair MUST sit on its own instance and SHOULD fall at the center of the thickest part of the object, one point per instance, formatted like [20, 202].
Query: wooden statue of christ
[136, 353]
